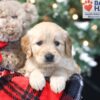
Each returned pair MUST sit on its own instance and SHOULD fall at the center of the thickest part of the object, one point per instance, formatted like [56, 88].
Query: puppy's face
[47, 48]
[47, 44]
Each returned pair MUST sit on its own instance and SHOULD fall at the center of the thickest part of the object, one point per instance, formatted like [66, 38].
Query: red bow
[2, 45]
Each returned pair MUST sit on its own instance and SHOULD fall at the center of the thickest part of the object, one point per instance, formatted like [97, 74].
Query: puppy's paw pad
[37, 81]
[57, 84]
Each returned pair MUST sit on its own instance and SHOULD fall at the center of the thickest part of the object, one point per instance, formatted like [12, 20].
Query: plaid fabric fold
[14, 86]
[10, 89]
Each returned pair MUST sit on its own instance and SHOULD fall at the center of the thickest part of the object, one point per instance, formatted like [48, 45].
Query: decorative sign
[91, 9]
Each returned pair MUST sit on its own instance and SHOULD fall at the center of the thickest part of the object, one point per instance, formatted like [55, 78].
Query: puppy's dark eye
[39, 43]
[57, 43]
[14, 16]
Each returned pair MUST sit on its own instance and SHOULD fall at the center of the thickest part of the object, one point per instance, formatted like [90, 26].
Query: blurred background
[85, 35]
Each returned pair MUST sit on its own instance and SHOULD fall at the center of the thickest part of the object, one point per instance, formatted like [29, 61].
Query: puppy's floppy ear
[25, 44]
[68, 47]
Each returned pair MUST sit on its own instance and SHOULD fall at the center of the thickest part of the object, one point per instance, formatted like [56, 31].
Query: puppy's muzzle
[49, 57]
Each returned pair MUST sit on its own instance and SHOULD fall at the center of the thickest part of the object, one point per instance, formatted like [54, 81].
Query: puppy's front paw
[37, 80]
[57, 83]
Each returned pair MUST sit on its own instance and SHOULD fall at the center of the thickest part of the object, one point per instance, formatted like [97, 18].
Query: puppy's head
[47, 43]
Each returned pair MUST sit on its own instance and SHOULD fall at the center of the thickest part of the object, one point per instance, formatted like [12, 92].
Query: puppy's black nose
[49, 57]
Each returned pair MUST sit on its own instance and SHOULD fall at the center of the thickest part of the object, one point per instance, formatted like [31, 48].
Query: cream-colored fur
[36, 68]
[15, 20]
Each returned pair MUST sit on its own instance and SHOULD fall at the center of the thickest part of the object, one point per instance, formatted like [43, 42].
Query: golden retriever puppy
[48, 50]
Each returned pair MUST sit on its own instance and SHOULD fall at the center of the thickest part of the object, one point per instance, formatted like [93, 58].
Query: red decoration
[0, 58]
[49, 94]
[2, 45]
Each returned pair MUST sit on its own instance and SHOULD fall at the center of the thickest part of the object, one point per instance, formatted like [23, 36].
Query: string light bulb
[94, 27]
[85, 43]
[54, 5]
[32, 1]
[82, 1]
[75, 16]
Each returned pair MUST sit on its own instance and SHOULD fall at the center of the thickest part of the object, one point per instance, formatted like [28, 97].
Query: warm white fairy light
[85, 43]
[32, 1]
[94, 27]
[74, 16]
[54, 5]
[82, 1]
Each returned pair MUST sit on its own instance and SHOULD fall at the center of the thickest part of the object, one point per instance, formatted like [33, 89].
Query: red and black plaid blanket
[14, 86]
